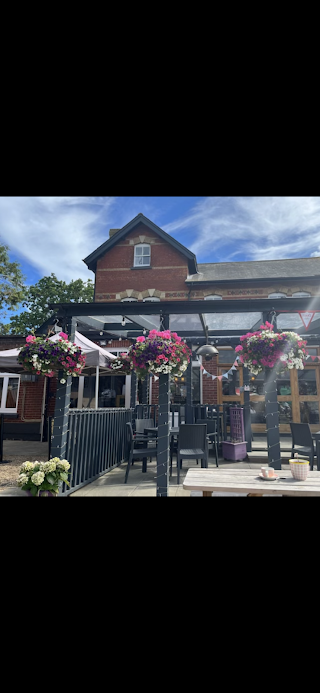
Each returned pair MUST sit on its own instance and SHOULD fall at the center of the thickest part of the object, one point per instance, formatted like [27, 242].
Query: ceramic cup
[267, 472]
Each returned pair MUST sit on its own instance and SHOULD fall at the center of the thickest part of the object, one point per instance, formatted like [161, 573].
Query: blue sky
[54, 234]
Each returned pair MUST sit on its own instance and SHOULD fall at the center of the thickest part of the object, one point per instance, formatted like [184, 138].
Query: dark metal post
[145, 390]
[163, 426]
[272, 418]
[246, 410]
[2, 461]
[61, 412]
[189, 409]
[133, 394]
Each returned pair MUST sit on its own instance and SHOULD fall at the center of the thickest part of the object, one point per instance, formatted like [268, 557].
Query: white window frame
[277, 294]
[129, 300]
[301, 294]
[5, 377]
[213, 297]
[142, 245]
[151, 299]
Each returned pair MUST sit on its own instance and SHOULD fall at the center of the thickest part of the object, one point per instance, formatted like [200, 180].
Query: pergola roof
[224, 321]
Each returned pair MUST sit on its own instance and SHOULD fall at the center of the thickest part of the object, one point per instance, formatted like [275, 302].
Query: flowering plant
[121, 363]
[160, 352]
[43, 356]
[266, 348]
[43, 476]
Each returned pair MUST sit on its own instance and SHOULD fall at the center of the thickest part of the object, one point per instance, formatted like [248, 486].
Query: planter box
[234, 451]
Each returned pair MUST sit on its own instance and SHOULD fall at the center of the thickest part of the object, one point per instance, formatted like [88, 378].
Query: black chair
[212, 434]
[143, 451]
[303, 443]
[192, 444]
[141, 424]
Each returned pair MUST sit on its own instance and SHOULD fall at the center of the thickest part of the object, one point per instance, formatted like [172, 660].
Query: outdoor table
[247, 481]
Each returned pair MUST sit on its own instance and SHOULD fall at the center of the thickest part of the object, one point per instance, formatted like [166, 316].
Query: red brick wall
[169, 268]
[210, 389]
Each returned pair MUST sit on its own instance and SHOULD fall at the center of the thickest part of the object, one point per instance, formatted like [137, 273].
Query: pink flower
[141, 339]
[63, 335]
[30, 338]
[239, 348]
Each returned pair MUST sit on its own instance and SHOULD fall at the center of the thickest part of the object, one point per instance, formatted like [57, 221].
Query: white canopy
[95, 355]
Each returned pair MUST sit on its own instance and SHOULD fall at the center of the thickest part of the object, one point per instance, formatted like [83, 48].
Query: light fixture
[101, 334]
[123, 321]
[120, 339]
[144, 331]
[207, 350]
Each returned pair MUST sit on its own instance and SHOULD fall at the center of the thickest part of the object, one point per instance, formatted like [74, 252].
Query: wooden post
[61, 412]
[272, 418]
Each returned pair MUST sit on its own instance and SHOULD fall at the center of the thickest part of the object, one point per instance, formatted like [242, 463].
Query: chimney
[112, 232]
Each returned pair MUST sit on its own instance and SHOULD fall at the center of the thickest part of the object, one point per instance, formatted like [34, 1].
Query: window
[278, 295]
[151, 299]
[142, 255]
[300, 294]
[9, 392]
[213, 297]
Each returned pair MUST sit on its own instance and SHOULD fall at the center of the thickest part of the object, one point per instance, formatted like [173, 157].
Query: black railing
[96, 444]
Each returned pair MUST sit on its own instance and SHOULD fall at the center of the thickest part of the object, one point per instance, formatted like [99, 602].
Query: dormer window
[142, 255]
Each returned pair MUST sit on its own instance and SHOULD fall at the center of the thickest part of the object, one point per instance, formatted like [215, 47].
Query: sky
[54, 234]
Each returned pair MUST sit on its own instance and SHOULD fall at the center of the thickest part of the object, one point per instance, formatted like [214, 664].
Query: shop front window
[285, 412]
[307, 382]
[309, 412]
[231, 386]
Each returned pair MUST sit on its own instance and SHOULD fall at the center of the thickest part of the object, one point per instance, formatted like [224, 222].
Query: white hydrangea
[23, 479]
[27, 466]
[48, 467]
[37, 478]
[63, 464]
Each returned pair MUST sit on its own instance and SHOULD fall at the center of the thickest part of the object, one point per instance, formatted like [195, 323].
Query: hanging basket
[45, 357]
[266, 349]
[160, 352]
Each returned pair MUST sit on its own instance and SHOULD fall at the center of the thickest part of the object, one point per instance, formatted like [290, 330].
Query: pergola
[198, 322]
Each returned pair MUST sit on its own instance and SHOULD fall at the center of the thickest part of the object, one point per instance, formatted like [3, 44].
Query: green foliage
[48, 290]
[12, 285]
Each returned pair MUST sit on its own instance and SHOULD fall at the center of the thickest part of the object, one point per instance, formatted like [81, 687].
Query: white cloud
[54, 234]
[258, 228]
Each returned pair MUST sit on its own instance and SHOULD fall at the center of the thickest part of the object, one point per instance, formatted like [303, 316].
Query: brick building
[141, 263]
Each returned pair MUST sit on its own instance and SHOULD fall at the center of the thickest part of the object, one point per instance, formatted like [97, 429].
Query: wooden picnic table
[247, 481]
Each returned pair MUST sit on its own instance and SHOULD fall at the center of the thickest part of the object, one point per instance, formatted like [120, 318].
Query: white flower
[37, 478]
[63, 464]
[48, 467]
[63, 381]
[23, 479]
[27, 466]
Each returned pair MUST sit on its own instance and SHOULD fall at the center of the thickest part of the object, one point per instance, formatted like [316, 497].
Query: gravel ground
[10, 472]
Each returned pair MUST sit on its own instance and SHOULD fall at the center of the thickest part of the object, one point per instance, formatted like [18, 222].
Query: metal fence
[96, 444]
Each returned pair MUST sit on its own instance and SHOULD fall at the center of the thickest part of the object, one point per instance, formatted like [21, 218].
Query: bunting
[225, 375]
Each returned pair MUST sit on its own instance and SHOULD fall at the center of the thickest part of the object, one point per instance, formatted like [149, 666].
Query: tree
[12, 285]
[49, 290]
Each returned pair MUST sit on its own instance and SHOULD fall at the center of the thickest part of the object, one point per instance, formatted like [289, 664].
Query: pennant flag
[225, 375]
[232, 369]
[213, 377]
[219, 377]
[306, 317]
[237, 390]
[202, 368]
[313, 358]
[156, 377]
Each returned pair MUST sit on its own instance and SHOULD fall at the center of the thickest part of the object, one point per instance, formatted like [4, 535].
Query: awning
[95, 355]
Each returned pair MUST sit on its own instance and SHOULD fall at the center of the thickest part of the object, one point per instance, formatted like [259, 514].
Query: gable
[118, 236]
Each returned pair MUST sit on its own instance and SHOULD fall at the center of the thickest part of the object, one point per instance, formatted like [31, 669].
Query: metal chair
[212, 434]
[142, 452]
[303, 443]
[192, 444]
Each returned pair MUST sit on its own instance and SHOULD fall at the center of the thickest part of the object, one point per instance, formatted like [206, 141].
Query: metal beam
[189, 307]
